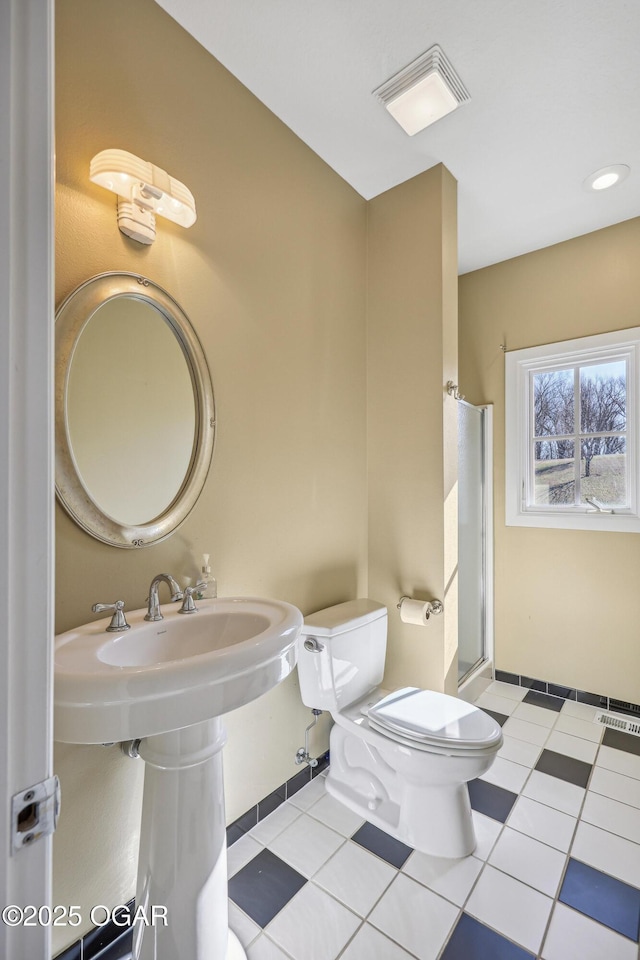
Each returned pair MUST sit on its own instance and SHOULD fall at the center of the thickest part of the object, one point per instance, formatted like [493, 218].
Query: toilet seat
[428, 718]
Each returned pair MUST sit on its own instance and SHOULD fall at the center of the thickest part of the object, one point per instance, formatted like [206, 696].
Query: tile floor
[555, 875]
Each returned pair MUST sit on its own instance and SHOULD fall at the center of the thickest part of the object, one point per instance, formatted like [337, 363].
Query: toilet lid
[430, 717]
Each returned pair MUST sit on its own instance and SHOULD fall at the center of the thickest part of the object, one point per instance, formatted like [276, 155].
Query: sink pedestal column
[183, 850]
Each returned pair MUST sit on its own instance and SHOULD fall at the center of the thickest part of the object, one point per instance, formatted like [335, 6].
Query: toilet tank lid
[342, 617]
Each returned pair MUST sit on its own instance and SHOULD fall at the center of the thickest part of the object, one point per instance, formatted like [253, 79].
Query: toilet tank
[341, 653]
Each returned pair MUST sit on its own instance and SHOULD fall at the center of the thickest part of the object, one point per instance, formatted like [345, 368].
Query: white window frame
[519, 511]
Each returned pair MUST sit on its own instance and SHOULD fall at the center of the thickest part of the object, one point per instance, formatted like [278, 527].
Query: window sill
[610, 522]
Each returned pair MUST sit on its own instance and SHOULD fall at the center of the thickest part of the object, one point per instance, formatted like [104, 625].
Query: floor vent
[618, 723]
[625, 706]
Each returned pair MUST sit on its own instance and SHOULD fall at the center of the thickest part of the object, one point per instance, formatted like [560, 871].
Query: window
[572, 444]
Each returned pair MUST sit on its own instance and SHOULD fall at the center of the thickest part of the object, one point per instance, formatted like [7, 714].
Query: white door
[26, 481]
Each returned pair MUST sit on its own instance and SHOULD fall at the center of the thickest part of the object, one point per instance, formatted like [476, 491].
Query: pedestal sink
[167, 683]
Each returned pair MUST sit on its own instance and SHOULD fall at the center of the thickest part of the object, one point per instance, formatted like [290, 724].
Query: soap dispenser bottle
[209, 590]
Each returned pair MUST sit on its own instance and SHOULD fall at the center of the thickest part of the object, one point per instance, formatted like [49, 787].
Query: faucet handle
[118, 620]
[188, 606]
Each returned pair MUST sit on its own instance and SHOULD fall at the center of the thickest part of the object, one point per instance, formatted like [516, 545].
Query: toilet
[400, 759]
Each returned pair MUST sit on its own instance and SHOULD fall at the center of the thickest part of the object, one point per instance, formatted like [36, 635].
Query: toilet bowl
[400, 759]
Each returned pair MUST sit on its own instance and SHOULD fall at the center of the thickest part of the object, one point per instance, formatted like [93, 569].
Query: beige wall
[274, 279]
[272, 276]
[411, 439]
[567, 602]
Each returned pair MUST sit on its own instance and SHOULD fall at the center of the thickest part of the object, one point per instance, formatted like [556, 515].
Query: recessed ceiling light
[422, 92]
[607, 177]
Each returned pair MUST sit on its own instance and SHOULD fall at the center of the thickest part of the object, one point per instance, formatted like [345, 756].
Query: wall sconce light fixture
[143, 190]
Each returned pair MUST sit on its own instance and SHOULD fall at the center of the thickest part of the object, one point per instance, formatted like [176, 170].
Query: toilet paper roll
[414, 611]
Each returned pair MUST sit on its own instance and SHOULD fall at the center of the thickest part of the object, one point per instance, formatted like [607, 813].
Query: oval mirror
[135, 420]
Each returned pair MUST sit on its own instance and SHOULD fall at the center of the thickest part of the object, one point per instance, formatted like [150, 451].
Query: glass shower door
[473, 492]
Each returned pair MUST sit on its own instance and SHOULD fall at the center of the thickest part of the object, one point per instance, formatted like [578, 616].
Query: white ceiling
[555, 95]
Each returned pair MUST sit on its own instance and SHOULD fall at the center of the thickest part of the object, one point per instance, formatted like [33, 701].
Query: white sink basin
[165, 675]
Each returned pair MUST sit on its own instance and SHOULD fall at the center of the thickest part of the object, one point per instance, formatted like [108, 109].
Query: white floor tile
[523, 730]
[243, 926]
[313, 925]
[573, 936]
[309, 794]
[355, 877]
[579, 728]
[528, 860]
[607, 852]
[452, 879]
[336, 815]
[583, 711]
[489, 701]
[511, 907]
[611, 815]
[542, 822]
[487, 831]
[269, 828]
[519, 751]
[616, 786]
[532, 714]
[370, 944]
[510, 690]
[556, 793]
[504, 773]
[414, 917]
[619, 760]
[265, 949]
[306, 845]
[240, 852]
[572, 746]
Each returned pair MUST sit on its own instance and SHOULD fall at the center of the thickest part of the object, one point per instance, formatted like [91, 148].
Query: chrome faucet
[153, 612]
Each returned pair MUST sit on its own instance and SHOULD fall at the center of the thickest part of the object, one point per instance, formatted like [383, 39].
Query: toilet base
[407, 793]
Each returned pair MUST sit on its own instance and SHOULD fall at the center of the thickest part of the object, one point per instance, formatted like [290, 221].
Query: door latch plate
[34, 813]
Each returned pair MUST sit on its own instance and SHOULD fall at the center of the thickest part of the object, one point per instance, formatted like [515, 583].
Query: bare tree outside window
[583, 409]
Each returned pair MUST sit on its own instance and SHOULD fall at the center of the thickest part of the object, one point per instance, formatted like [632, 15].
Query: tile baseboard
[601, 700]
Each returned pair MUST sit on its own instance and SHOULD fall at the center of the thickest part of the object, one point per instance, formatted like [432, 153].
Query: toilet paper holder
[429, 607]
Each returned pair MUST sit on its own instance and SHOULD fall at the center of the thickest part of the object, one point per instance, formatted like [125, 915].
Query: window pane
[553, 403]
[603, 397]
[554, 472]
[603, 467]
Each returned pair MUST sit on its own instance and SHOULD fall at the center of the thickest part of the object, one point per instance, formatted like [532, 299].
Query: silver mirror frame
[71, 317]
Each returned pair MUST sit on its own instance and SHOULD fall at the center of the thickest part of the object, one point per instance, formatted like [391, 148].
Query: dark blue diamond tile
[621, 741]
[564, 768]
[539, 699]
[382, 844]
[500, 718]
[264, 886]
[603, 898]
[471, 940]
[493, 801]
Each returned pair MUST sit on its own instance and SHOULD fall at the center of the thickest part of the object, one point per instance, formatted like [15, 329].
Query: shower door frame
[487, 655]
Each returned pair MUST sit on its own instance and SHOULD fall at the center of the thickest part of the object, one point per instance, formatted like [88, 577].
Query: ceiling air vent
[618, 723]
[425, 90]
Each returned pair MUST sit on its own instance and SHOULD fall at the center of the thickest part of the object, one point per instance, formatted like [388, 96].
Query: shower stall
[475, 540]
